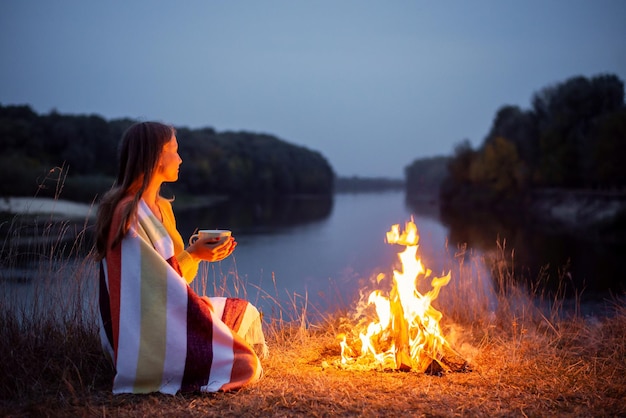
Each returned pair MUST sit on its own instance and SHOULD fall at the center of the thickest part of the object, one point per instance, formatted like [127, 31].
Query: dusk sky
[372, 85]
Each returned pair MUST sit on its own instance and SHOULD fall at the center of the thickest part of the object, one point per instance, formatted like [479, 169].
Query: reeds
[48, 333]
[530, 355]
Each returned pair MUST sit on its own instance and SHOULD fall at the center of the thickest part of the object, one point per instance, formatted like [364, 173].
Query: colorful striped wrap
[161, 335]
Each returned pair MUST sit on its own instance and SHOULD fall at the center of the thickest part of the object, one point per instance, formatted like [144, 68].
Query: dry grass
[576, 371]
[528, 358]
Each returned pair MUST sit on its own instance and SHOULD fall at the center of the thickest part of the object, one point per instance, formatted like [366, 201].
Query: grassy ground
[527, 359]
[573, 367]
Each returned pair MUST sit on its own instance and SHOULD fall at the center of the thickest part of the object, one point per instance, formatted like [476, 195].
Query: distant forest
[367, 184]
[573, 137]
[78, 153]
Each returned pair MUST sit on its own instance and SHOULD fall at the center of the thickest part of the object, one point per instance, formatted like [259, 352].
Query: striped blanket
[161, 335]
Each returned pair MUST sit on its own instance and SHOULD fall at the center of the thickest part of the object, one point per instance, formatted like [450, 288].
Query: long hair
[139, 151]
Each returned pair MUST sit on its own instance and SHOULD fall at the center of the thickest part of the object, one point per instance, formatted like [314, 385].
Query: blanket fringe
[256, 339]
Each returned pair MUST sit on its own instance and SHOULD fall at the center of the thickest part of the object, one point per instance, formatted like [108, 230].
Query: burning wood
[406, 334]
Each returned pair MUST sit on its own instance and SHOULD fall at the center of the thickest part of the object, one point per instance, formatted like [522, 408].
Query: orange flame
[406, 334]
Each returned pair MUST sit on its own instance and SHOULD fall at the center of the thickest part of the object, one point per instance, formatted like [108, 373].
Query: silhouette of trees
[424, 176]
[498, 167]
[84, 150]
[609, 137]
[567, 115]
[573, 137]
[356, 184]
[247, 163]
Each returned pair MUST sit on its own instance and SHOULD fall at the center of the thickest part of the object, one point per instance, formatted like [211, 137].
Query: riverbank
[578, 209]
[521, 365]
[31, 227]
[569, 208]
[589, 213]
[65, 209]
[55, 208]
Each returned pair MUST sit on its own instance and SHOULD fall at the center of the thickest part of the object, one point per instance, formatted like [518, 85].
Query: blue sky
[372, 85]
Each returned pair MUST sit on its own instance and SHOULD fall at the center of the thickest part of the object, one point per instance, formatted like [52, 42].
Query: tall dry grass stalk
[282, 314]
[48, 332]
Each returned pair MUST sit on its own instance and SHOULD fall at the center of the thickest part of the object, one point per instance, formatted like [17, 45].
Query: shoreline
[56, 208]
[577, 209]
[69, 210]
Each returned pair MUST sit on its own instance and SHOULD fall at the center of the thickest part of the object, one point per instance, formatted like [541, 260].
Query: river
[321, 249]
[328, 249]
[318, 254]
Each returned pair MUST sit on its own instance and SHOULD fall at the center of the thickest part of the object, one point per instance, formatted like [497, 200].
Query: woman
[162, 336]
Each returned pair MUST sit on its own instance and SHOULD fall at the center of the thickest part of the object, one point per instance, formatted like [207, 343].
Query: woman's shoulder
[124, 203]
[122, 207]
[164, 204]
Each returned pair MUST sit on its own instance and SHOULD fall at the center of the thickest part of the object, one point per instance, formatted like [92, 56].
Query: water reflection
[320, 249]
[258, 215]
[329, 249]
[584, 263]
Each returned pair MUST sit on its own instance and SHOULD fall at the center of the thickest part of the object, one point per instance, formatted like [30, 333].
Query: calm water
[329, 249]
[326, 250]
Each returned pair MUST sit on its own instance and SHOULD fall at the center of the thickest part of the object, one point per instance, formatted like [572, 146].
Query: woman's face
[169, 161]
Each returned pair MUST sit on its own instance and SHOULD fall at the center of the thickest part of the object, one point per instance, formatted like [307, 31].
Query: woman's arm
[201, 250]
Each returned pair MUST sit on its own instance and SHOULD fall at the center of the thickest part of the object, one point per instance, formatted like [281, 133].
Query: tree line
[572, 137]
[76, 155]
[357, 184]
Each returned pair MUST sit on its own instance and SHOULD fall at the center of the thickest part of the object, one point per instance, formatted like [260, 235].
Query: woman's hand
[208, 250]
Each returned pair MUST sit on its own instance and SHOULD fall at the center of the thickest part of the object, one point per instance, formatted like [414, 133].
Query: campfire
[399, 329]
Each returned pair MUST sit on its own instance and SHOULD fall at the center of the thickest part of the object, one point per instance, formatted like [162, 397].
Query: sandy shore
[47, 206]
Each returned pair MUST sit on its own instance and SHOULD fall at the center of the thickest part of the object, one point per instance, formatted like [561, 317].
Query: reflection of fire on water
[406, 334]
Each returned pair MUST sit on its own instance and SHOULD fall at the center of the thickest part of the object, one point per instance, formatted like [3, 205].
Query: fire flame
[406, 334]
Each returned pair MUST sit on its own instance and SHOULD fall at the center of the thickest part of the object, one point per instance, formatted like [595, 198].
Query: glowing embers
[405, 333]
